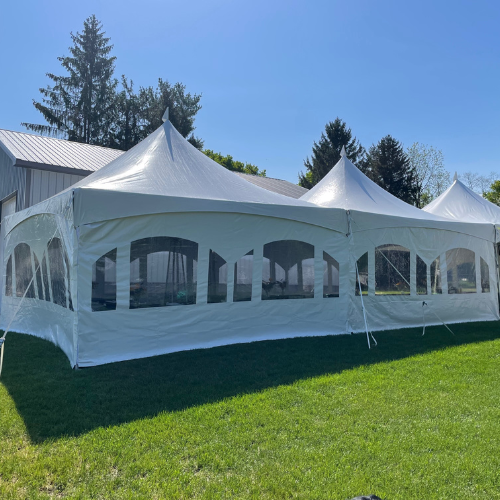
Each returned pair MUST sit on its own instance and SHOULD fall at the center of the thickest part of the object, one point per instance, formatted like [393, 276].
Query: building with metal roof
[34, 168]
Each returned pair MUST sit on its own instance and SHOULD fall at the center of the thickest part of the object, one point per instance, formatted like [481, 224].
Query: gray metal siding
[45, 184]
[12, 179]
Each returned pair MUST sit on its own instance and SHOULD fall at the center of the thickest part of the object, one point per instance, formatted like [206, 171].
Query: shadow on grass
[55, 401]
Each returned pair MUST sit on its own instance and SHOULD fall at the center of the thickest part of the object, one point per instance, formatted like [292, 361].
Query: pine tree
[388, 165]
[326, 153]
[80, 106]
[139, 114]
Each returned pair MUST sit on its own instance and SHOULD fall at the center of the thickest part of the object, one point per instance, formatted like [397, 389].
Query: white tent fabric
[164, 250]
[460, 203]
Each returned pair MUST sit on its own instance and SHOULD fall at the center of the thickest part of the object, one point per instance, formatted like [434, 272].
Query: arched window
[362, 274]
[217, 279]
[330, 276]
[45, 276]
[24, 271]
[68, 275]
[421, 277]
[57, 272]
[288, 270]
[163, 272]
[104, 282]
[8, 278]
[243, 272]
[461, 270]
[38, 272]
[436, 287]
[485, 276]
[392, 270]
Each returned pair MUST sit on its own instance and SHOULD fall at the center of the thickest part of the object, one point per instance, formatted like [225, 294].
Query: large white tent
[164, 250]
[460, 203]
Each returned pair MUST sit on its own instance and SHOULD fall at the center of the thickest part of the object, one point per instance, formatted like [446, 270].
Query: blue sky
[273, 73]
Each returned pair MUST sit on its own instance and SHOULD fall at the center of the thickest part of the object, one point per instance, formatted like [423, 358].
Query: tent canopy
[459, 202]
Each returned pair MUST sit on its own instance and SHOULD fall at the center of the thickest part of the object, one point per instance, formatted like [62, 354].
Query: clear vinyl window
[57, 272]
[243, 272]
[461, 271]
[421, 277]
[485, 276]
[392, 270]
[217, 279]
[45, 277]
[163, 272]
[362, 274]
[288, 270]
[330, 276]
[24, 271]
[104, 282]
[436, 287]
[39, 284]
[8, 277]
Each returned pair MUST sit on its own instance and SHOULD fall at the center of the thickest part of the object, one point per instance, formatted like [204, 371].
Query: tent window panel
[163, 272]
[217, 279]
[8, 278]
[68, 275]
[243, 272]
[38, 271]
[485, 276]
[57, 272]
[461, 271]
[45, 276]
[362, 274]
[421, 277]
[392, 270]
[330, 276]
[288, 270]
[24, 271]
[436, 287]
[104, 282]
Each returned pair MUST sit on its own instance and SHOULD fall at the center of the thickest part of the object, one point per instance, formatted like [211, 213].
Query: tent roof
[166, 164]
[347, 187]
[459, 202]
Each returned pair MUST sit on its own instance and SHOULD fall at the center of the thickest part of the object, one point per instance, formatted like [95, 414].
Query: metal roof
[275, 185]
[47, 153]
[59, 155]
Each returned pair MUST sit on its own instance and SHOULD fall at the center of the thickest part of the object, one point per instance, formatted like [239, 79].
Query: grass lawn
[414, 418]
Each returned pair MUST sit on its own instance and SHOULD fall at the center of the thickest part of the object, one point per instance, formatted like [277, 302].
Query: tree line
[415, 175]
[89, 105]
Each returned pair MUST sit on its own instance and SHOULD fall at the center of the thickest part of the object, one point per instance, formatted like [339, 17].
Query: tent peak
[455, 177]
[165, 116]
[343, 153]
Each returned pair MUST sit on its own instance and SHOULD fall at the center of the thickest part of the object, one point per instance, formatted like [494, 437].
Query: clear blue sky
[273, 73]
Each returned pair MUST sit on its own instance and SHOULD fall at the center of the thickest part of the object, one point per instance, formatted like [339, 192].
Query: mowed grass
[414, 418]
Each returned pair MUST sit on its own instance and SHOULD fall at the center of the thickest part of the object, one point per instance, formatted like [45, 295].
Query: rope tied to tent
[7, 330]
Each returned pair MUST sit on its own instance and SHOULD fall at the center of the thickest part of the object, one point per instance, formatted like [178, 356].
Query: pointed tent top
[348, 188]
[455, 177]
[343, 153]
[165, 116]
[460, 203]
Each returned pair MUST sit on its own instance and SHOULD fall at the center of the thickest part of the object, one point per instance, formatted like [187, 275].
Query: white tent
[460, 203]
[407, 257]
[164, 250]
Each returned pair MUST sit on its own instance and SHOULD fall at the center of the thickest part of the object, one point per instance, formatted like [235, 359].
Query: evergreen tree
[80, 106]
[388, 165]
[326, 152]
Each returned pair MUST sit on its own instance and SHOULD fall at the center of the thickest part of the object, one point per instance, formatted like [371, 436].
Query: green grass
[414, 418]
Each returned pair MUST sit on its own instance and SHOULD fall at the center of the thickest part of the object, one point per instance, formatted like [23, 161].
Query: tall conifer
[326, 152]
[80, 106]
